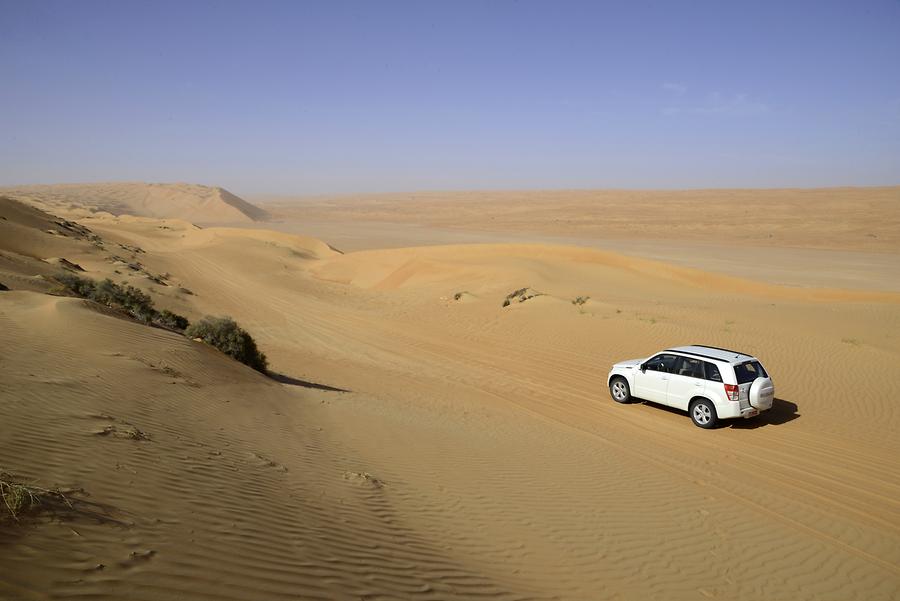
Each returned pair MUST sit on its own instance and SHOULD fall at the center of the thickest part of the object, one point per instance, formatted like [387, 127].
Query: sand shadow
[291, 381]
[68, 507]
[782, 412]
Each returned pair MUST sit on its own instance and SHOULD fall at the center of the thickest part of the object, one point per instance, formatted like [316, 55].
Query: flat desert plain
[418, 440]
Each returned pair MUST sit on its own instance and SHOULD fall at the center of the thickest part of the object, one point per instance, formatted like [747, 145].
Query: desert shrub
[580, 300]
[520, 296]
[78, 286]
[227, 336]
[173, 321]
[127, 299]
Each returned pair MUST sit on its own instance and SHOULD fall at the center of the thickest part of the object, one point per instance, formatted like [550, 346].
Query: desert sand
[419, 440]
[839, 237]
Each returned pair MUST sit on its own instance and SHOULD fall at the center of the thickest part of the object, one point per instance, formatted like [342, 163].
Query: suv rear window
[749, 371]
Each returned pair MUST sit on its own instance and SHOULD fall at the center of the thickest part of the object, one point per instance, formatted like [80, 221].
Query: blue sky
[308, 98]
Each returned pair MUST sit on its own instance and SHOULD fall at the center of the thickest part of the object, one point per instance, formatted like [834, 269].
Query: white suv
[709, 383]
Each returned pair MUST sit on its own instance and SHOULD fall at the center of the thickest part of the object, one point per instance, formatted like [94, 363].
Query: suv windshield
[749, 371]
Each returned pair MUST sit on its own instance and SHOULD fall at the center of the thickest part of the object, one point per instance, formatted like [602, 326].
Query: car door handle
[665, 378]
[698, 384]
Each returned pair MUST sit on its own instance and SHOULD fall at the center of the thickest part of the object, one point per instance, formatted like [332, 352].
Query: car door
[686, 383]
[652, 382]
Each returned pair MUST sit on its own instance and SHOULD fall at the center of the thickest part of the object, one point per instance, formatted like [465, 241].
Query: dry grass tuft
[520, 296]
[19, 499]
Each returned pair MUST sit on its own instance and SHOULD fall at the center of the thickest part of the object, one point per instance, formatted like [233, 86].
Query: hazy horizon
[275, 196]
[287, 99]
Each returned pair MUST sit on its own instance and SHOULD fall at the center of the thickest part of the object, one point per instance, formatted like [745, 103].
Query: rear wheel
[703, 413]
[619, 389]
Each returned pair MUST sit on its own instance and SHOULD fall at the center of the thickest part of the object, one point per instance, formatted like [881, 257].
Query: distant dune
[191, 202]
[865, 219]
[817, 237]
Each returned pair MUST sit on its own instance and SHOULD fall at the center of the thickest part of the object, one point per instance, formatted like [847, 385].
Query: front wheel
[703, 413]
[619, 390]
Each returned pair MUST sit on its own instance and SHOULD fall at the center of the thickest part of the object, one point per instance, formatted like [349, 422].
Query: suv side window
[712, 372]
[690, 367]
[664, 363]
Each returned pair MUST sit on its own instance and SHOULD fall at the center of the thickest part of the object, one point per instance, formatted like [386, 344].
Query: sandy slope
[191, 202]
[235, 495]
[498, 465]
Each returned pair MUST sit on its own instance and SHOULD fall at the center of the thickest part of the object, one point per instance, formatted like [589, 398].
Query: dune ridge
[190, 202]
[392, 268]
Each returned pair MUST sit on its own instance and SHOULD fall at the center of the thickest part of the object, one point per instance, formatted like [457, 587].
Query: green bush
[173, 321]
[82, 287]
[227, 336]
[128, 299]
[220, 332]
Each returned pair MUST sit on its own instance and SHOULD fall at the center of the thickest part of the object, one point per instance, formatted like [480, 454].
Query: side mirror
[643, 367]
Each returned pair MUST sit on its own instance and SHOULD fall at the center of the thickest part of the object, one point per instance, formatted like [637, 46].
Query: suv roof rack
[717, 348]
[675, 350]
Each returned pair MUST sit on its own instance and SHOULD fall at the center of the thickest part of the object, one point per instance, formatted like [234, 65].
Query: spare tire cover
[762, 393]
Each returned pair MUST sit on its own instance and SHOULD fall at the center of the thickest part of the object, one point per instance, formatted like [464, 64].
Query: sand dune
[478, 454]
[190, 202]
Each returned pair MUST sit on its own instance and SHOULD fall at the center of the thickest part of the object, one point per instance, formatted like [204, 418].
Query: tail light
[732, 392]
